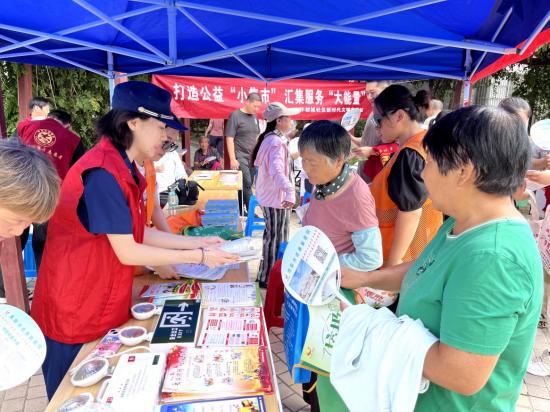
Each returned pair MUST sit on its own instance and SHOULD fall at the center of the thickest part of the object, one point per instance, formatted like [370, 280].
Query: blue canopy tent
[269, 41]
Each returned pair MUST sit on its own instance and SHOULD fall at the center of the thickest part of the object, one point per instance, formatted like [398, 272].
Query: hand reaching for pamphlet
[216, 257]
[365, 151]
[166, 272]
[209, 241]
[541, 177]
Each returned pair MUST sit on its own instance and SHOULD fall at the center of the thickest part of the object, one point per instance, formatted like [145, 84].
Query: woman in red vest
[98, 234]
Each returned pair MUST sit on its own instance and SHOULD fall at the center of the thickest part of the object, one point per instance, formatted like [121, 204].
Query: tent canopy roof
[266, 40]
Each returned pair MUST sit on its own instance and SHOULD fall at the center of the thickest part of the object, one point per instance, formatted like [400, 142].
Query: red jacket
[54, 139]
[82, 289]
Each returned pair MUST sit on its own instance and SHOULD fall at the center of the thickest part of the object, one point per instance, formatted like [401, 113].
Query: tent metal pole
[82, 27]
[466, 90]
[138, 39]
[461, 44]
[497, 32]
[172, 14]
[111, 77]
[205, 30]
[180, 64]
[535, 32]
[158, 2]
[55, 56]
[117, 50]
[31, 53]
[366, 64]
[303, 32]
[345, 66]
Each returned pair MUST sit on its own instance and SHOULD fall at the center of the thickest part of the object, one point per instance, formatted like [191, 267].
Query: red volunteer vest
[51, 137]
[83, 290]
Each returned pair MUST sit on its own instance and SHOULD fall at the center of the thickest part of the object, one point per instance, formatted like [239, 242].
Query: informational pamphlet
[231, 326]
[135, 383]
[207, 373]
[324, 322]
[22, 347]
[229, 179]
[246, 404]
[203, 272]
[230, 294]
[185, 289]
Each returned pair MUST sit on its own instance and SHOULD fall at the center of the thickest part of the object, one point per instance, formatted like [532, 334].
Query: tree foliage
[531, 81]
[83, 94]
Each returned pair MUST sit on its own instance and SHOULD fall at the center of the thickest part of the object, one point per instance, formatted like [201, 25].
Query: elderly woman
[29, 188]
[477, 286]
[343, 208]
[408, 220]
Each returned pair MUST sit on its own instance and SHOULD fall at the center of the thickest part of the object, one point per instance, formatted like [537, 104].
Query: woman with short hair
[97, 233]
[477, 286]
[29, 188]
[343, 208]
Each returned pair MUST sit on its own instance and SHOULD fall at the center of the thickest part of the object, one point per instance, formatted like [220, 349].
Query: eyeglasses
[377, 118]
[169, 146]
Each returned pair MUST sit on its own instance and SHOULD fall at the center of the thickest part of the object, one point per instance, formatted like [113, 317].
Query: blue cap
[146, 98]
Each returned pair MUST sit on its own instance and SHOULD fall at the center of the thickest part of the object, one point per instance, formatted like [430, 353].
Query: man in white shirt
[170, 167]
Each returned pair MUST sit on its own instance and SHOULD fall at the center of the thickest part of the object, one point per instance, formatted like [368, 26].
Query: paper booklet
[186, 289]
[177, 324]
[324, 323]
[135, 383]
[231, 326]
[206, 373]
[243, 247]
[245, 404]
[203, 272]
[230, 294]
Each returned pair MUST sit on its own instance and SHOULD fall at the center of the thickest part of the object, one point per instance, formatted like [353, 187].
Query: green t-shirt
[480, 292]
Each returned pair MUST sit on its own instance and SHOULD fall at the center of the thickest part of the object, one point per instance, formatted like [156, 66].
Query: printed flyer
[206, 373]
[231, 326]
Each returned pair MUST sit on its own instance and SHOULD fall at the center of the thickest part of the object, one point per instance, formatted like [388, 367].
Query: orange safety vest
[386, 210]
[151, 190]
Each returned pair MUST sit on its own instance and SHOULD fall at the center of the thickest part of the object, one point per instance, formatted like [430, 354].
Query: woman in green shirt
[478, 285]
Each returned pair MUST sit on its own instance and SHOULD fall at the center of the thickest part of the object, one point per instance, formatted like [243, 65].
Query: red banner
[215, 97]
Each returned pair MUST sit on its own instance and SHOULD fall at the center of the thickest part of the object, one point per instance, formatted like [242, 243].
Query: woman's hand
[365, 151]
[352, 279]
[210, 241]
[166, 272]
[541, 177]
[216, 257]
[287, 205]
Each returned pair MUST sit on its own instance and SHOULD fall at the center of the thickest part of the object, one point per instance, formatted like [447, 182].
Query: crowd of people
[429, 216]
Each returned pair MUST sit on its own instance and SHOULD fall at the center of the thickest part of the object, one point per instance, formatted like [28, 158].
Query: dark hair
[268, 129]
[397, 96]
[327, 138]
[438, 117]
[491, 139]
[114, 126]
[39, 101]
[63, 116]
[254, 97]
[515, 105]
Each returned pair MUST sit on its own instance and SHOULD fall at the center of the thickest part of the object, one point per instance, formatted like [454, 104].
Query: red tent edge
[506, 60]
